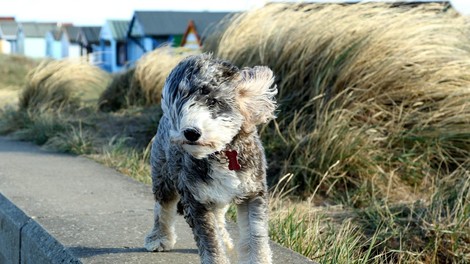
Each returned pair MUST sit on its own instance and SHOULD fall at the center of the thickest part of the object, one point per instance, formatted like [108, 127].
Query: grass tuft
[37, 127]
[13, 70]
[126, 160]
[54, 85]
[363, 89]
[142, 85]
[74, 139]
[151, 72]
[115, 96]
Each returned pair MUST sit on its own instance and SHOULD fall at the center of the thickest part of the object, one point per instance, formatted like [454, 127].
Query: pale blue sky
[463, 6]
[90, 12]
[95, 12]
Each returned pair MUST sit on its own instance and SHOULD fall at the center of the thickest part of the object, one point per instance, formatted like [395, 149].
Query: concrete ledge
[38, 246]
[22, 240]
[12, 220]
[57, 208]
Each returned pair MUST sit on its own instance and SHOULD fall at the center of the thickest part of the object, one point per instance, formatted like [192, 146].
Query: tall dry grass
[374, 118]
[151, 72]
[115, 96]
[434, 231]
[143, 84]
[13, 69]
[364, 89]
[55, 85]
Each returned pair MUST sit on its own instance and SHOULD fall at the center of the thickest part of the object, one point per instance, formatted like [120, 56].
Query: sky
[463, 6]
[95, 12]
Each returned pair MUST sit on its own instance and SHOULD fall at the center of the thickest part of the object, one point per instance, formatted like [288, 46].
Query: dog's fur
[210, 106]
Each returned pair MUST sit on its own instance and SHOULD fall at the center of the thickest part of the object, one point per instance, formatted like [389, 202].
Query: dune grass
[115, 96]
[53, 100]
[53, 85]
[12, 73]
[13, 70]
[421, 231]
[152, 69]
[367, 85]
[374, 116]
[142, 85]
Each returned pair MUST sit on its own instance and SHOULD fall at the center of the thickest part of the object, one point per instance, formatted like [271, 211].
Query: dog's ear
[255, 96]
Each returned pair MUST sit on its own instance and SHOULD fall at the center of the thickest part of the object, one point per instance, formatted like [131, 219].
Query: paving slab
[90, 211]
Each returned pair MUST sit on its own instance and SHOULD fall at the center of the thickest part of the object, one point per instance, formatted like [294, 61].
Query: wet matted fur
[211, 110]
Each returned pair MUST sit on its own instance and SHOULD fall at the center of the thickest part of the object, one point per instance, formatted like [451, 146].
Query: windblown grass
[132, 162]
[433, 231]
[74, 139]
[12, 72]
[374, 116]
[142, 85]
[364, 88]
[151, 72]
[54, 85]
[37, 127]
[53, 91]
[14, 69]
[115, 96]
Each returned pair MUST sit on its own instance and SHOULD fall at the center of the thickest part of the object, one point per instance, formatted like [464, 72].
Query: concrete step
[57, 208]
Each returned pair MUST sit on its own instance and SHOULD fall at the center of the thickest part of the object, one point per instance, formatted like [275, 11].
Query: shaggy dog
[207, 154]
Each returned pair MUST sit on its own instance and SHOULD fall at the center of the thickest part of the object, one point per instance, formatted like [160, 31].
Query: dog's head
[208, 102]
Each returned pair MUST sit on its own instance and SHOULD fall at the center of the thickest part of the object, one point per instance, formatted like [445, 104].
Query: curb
[22, 240]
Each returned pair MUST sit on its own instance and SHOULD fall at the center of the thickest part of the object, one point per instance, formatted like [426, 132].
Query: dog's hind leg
[252, 218]
[203, 222]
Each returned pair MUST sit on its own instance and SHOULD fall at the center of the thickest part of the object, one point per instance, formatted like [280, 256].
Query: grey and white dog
[207, 154]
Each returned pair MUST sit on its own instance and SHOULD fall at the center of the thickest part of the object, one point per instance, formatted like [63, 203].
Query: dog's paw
[158, 245]
[155, 243]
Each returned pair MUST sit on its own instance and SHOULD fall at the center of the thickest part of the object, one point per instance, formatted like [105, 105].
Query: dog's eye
[212, 102]
[205, 90]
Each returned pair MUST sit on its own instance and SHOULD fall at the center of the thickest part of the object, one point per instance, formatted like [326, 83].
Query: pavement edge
[23, 240]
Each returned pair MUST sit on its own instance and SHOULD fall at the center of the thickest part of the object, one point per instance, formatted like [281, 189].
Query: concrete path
[67, 209]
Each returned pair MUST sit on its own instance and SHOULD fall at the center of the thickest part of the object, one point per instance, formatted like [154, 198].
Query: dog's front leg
[252, 218]
[163, 236]
[223, 233]
[203, 222]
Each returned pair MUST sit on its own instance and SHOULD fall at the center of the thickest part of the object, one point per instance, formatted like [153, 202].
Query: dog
[207, 154]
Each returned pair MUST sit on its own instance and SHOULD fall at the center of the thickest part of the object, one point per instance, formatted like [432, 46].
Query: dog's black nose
[192, 134]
